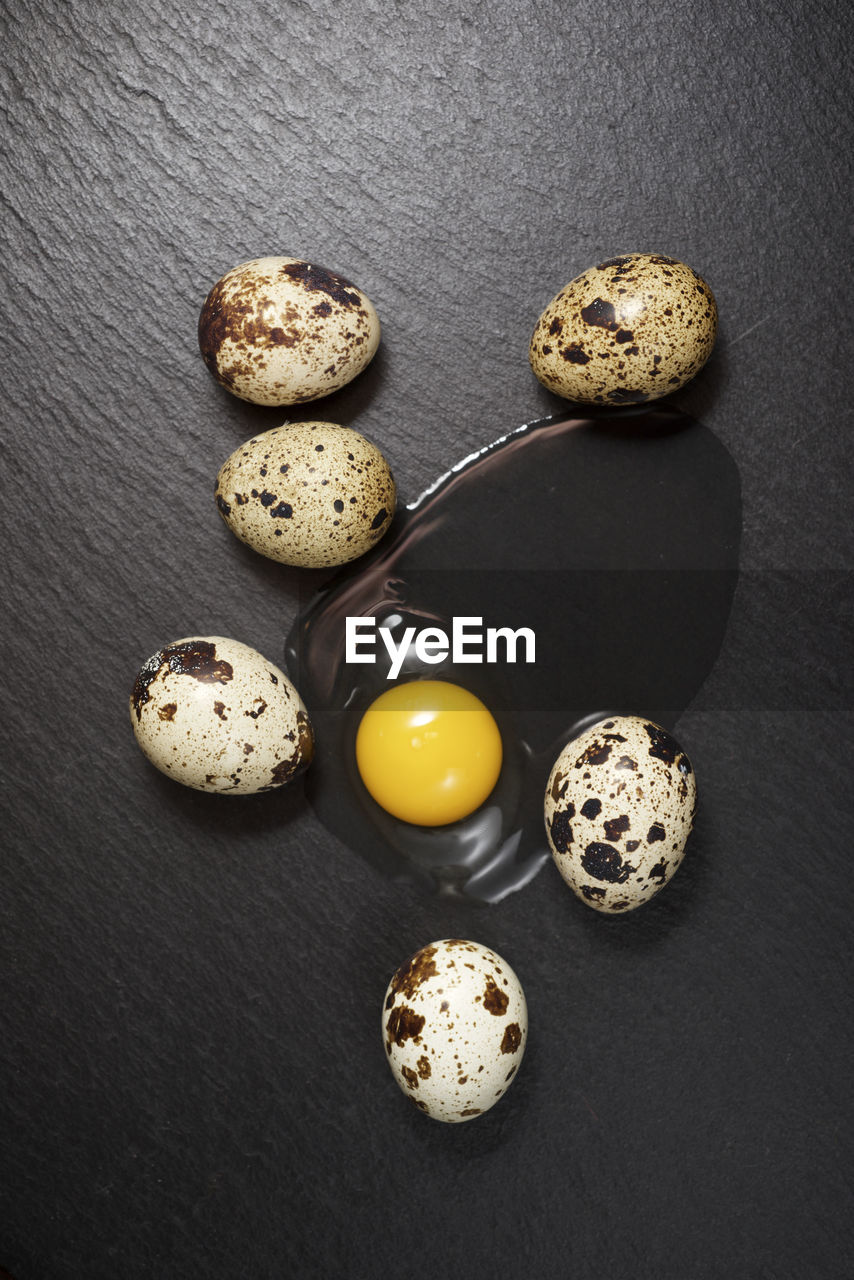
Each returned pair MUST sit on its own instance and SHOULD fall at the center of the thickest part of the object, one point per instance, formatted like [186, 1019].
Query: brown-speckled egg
[307, 493]
[630, 330]
[282, 331]
[619, 808]
[454, 1024]
[216, 715]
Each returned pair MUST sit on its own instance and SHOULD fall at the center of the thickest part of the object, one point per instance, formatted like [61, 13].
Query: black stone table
[193, 1082]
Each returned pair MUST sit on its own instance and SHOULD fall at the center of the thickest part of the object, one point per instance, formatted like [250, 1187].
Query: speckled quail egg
[455, 1023]
[619, 808]
[307, 493]
[632, 329]
[284, 331]
[216, 715]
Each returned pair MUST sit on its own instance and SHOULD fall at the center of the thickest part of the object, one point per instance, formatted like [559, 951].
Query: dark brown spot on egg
[659, 871]
[167, 711]
[591, 809]
[223, 505]
[314, 279]
[418, 969]
[615, 827]
[656, 832]
[663, 746]
[603, 862]
[424, 1069]
[495, 1001]
[410, 1077]
[596, 753]
[626, 762]
[592, 893]
[561, 829]
[511, 1039]
[558, 791]
[601, 313]
[470, 1111]
[195, 658]
[404, 1024]
[283, 511]
[575, 355]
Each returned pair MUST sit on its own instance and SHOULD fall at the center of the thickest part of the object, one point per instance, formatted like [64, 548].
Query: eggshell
[307, 493]
[455, 1024]
[632, 329]
[619, 808]
[215, 715]
[283, 331]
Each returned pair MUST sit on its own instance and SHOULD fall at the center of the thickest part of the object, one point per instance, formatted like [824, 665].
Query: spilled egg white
[279, 330]
[215, 715]
[311, 494]
[619, 807]
[455, 1024]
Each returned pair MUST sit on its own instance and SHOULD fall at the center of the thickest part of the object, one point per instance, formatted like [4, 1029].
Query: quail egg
[619, 808]
[283, 331]
[217, 716]
[455, 1023]
[632, 329]
[307, 493]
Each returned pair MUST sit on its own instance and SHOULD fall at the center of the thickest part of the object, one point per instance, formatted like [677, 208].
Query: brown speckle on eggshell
[215, 715]
[619, 808]
[455, 1024]
[311, 494]
[629, 330]
[281, 331]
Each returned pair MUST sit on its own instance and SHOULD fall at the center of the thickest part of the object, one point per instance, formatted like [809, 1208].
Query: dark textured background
[193, 1083]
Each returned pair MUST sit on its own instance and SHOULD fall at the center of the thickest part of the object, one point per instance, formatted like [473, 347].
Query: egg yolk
[429, 752]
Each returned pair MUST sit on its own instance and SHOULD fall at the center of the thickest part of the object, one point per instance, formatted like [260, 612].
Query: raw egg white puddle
[613, 536]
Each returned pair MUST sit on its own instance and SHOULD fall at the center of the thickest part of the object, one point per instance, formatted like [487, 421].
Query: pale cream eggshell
[215, 715]
[280, 331]
[455, 1025]
[619, 807]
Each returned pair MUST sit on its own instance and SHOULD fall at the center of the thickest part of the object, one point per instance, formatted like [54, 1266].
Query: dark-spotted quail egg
[217, 716]
[283, 331]
[619, 808]
[455, 1023]
[632, 329]
[307, 493]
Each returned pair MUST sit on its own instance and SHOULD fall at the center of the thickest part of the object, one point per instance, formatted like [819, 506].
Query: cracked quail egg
[455, 1024]
[307, 493]
[631, 329]
[217, 716]
[282, 331]
[619, 808]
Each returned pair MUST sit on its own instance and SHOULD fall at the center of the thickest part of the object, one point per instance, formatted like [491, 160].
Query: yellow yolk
[429, 752]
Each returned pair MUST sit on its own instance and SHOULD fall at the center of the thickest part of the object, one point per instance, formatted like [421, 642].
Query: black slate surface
[193, 1081]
